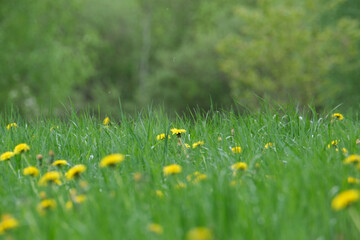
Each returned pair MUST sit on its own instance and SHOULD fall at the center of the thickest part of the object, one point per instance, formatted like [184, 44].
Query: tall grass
[285, 193]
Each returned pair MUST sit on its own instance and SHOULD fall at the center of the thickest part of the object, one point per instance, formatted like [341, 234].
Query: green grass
[285, 193]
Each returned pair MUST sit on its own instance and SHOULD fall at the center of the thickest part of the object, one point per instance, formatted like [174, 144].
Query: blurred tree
[279, 50]
[43, 52]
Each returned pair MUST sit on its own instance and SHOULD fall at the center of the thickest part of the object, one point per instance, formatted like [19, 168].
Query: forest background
[178, 54]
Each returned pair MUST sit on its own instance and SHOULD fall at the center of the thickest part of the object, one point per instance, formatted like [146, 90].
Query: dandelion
[352, 159]
[178, 132]
[159, 193]
[60, 163]
[77, 198]
[353, 180]
[45, 205]
[112, 160]
[187, 146]
[31, 171]
[7, 222]
[333, 143]
[155, 228]
[75, 171]
[172, 169]
[196, 177]
[20, 148]
[199, 143]
[344, 151]
[11, 125]
[199, 233]
[6, 156]
[106, 121]
[137, 177]
[50, 177]
[337, 116]
[161, 137]
[344, 199]
[236, 149]
[180, 185]
[239, 166]
[268, 145]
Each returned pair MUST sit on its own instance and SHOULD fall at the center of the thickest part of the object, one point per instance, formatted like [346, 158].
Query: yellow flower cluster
[196, 177]
[199, 143]
[11, 125]
[162, 136]
[178, 132]
[236, 149]
[7, 222]
[111, 160]
[172, 169]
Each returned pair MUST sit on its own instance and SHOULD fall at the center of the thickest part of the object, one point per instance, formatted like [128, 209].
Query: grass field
[283, 191]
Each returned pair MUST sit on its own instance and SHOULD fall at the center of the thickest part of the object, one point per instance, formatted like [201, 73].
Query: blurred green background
[177, 53]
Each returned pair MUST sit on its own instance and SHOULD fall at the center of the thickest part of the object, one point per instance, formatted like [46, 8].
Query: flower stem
[12, 168]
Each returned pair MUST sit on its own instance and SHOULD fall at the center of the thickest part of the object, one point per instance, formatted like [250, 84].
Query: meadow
[285, 174]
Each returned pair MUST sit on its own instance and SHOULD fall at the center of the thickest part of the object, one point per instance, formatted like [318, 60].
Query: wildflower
[112, 160]
[75, 171]
[236, 149]
[42, 195]
[337, 116]
[196, 177]
[344, 199]
[77, 198]
[6, 156]
[178, 132]
[159, 193]
[50, 177]
[239, 166]
[60, 163]
[268, 145]
[199, 143]
[353, 180]
[155, 228]
[344, 151]
[22, 147]
[84, 185]
[7, 222]
[219, 139]
[172, 169]
[52, 128]
[199, 233]
[106, 121]
[352, 159]
[187, 145]
[333, 143]
[161, 137]
[69, 205]
[11, 125]
[180, 185]
[31, 171]
[46, 204]
[137, 177]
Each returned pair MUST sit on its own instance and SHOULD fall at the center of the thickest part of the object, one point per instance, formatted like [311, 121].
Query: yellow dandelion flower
[337, 116]
[196, 177]
[31, 171]
[20, 148]
[50, 177]
[46, 204]
[6, 156]
[159, 193]
[59, 163]
[344, 151]
[353, 180]
[180, 185]
[75, 171]
[239, 166]
[106, 121]
[137, 177]
[80, 198]
[236, 149]
[187, 146]
[11, 125]
[7, 222]
[161, 136]
[69, 205]
[269, 145]
[333, 143]
[199, 143]
[178, 132]
[352, 159]
[344, 199]
[199, 233]
[155, 228]
[172, 169]
[112, 160]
